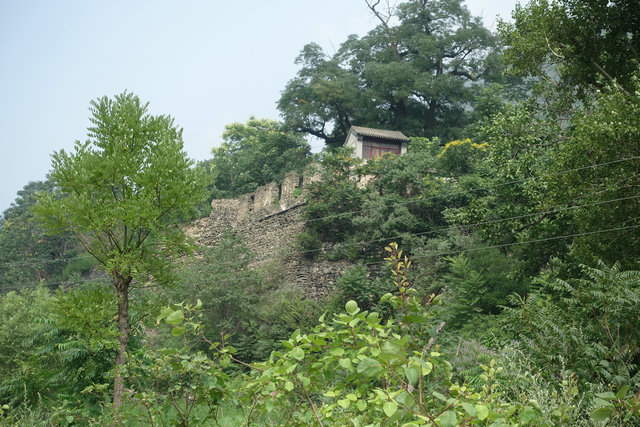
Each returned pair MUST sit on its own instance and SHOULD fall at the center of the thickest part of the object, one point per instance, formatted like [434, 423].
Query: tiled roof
[380, 133]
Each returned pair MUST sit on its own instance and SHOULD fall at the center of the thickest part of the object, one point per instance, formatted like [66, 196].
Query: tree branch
[604, 73]
[385, 23]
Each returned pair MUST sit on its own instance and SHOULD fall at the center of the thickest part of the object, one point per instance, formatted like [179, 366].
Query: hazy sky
[206, 63]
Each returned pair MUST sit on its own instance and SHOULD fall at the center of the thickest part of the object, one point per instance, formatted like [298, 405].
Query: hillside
[484, 272]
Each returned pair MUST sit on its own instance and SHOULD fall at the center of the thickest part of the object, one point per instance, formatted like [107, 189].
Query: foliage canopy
[123, 194]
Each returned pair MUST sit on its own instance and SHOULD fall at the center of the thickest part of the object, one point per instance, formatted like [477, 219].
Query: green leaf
[344, 403]
[198, 304]
[369, 367]
[386, 297]
[439, 395]
[288, 386]
[482, 412]
[345, 363]
[163, 314]
[529, 414]
[361, 405]
[390, 408]
[291, 368]
[297, 353]
[607, 395]
[601, 414]
[427, 367]
[337, 351]
[448, 419]
[304, 380]
[470, 409]
[622, 393]
[392, 350]
[411, 374]
[597, 402]
[178, 331]
[175, 318]
[351, 307]
[405, 399]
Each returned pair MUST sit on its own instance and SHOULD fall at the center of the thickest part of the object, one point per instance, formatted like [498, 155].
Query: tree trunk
[431, 117]
[122, 291]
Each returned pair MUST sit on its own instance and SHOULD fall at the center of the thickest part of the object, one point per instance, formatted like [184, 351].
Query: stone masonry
[269, 220]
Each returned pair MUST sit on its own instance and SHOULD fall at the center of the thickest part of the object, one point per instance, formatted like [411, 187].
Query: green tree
[19, 313]
[27, 254]
[253, 154]
[333, 197]
[598, 166]
[563, 167]
[584, 42]
[56, 345]
[124, 193]
[419, 75]
[229, 289]
[588, 325]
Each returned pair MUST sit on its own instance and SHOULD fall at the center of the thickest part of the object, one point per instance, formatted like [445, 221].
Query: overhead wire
[504, 245]
[442, 195]
[415, 257]
[462, 226]
[456, 193]
[472, 225]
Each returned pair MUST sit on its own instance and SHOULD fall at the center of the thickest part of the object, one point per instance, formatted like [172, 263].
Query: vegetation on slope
[517, 300]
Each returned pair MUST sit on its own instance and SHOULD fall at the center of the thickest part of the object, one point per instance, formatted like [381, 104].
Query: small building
[368, 142]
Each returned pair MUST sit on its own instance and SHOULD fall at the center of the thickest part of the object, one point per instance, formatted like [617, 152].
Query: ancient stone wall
[269, 220]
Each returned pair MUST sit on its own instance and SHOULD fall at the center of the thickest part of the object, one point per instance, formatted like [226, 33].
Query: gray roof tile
[380, 133]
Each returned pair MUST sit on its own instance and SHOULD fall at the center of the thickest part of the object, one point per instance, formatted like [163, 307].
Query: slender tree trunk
[122, 291]
[431, 116]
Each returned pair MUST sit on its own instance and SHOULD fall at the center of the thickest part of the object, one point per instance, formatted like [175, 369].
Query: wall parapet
[269, 221]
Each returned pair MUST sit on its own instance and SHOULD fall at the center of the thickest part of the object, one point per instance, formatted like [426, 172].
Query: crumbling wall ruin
[269, 220]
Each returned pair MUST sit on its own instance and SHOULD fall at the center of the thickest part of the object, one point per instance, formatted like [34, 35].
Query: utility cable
[465, 226]
[456, 193]
[425, 256]
[40, 262]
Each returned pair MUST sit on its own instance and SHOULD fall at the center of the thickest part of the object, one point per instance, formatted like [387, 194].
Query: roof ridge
[380, 133]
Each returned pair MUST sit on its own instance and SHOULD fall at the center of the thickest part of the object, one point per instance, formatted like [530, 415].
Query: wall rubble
[269, 220]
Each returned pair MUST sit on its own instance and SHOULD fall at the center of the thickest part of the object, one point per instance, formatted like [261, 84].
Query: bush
[308, 242]
[590, 326]
[354, 284]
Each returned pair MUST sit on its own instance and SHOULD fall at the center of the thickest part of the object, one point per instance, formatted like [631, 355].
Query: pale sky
[205, 63]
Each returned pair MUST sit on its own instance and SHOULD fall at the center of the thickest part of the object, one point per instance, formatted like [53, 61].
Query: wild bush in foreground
[355, 369]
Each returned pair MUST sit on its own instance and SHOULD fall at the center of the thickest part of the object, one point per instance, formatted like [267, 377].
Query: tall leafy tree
[418, 71]
[27, 254]
[124, 193]
[586, 43]
[253, 154]
[563, 167]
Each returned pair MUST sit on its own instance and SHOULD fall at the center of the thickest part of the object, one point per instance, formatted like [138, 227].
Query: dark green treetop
[417, 71]
[586, 43]
[253, 154]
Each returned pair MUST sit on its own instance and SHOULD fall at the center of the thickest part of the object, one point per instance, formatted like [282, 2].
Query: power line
[44, 261]
[422, 233]
[430, 255]
[455, 193]
[504, 245]
[464, 226]
[41, 262]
